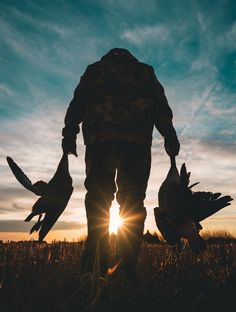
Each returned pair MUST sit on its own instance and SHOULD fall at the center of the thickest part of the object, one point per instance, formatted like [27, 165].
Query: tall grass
[47, 277]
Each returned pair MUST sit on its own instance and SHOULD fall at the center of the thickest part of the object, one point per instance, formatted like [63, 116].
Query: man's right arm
[74, 115]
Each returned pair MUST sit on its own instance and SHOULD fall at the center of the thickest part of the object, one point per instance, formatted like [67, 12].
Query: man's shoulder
[145, 65]
[102, 66]
[91, 70]
[147, 70]
[92, 66]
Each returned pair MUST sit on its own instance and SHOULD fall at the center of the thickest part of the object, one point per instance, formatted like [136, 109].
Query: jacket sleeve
[162, 112]
[77, 106]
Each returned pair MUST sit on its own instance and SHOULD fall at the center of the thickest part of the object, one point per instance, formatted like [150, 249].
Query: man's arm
[163, 119]
[74, 115]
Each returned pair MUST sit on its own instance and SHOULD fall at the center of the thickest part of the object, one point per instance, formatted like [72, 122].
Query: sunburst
[115, 220]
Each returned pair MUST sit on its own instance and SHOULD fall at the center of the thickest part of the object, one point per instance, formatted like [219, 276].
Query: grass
[46, 277]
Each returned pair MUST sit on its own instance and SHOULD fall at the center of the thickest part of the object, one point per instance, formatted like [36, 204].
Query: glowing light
[110, 271]
[115, 220]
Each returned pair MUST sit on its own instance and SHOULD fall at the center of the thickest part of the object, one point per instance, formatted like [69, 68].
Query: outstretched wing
[205, 204]
[200, 205]
[37, 188]
[20, 175]
[55, 199]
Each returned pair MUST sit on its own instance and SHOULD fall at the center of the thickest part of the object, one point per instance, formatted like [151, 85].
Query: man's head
[118, 53]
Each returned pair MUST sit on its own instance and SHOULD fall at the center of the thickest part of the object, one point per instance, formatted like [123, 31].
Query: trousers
[122, 168]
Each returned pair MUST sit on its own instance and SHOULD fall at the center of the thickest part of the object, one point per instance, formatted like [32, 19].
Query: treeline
[148, 237]
[214, 238]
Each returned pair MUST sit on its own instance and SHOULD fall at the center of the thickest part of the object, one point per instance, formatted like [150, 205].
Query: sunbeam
[115, 220]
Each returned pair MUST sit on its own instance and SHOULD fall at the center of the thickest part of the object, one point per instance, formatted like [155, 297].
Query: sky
[45, 46]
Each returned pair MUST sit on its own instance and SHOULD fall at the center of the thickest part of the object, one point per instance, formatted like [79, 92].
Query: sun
[115, 220]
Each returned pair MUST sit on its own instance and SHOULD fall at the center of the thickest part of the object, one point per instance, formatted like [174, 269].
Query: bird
[54, 195]
[181, 210]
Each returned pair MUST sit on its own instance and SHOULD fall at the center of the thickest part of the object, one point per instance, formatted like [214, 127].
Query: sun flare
[115, 220]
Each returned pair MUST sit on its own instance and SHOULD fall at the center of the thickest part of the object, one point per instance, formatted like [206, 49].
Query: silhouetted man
[118, 101]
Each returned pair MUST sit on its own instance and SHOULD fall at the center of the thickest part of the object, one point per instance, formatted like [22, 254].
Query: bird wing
[55, 199]
[20, 175]
[53, 212]
[205, 204]
[200, 205]
[37, 225]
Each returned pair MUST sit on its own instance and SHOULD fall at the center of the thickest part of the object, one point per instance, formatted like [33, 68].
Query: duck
[181, 210]
[54, 195]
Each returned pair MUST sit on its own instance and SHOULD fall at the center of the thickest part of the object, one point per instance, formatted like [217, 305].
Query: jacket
[118, 99]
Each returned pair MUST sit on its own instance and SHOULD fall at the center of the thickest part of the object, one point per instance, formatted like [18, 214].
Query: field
[46, 277]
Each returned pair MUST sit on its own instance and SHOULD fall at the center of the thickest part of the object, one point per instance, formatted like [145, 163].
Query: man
[118, 101]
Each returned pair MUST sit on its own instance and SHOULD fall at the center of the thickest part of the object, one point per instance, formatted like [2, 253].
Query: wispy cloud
[197, 107]
[210, 162]
[227, 40]
[219, 111]
[5, 89]
[34, 142]
[21, 226]
[45, 51]
[50, 26]
[140, 35]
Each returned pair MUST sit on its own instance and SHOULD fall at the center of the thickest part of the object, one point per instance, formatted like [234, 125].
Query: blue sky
[45, 47]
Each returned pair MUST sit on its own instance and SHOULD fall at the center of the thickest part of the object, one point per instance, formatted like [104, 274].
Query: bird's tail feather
[206, 204]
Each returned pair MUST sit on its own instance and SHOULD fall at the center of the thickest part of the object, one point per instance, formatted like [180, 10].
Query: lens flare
[115, 219]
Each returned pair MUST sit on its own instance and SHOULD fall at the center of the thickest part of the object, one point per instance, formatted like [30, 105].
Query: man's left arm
[163, 119]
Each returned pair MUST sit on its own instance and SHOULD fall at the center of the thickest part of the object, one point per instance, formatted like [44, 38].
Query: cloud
[227, 39]
[49, 51]
[33, 140]
[228, 132]
[11, 197]
[139, 35]
[37, 22]
[45, 45]
[21, 226]
[211, 163]
[219, 111]
[5, 89]
[197, 107]
[202, 22]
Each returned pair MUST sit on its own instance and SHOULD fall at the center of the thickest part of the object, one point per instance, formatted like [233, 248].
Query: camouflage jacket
[118, 99]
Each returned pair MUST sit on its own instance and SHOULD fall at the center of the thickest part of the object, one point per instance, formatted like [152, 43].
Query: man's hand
[172, 145]
[69, 145]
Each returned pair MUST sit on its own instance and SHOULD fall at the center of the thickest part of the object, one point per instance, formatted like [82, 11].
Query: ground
[46, 277]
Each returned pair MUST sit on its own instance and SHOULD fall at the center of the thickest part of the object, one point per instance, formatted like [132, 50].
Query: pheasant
[181, 210]
[54, 195]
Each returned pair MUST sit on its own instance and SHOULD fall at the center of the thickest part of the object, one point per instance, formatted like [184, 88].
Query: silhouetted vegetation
[46, 277]
[151, 238]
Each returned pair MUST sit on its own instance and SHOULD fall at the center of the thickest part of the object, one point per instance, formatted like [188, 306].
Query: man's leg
[132, 179]
[100, 185]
